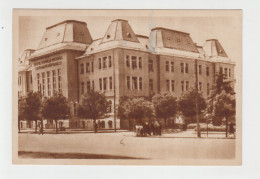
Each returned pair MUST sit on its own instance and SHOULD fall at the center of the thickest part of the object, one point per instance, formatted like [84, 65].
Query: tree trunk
[95, 126]
[35, 126]
[165, 123]
[42, 126]
[56, 122]
[226, 126]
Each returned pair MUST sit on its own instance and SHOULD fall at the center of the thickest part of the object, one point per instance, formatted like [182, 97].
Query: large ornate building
[120, 63]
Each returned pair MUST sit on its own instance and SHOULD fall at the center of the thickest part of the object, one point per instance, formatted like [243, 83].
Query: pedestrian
[152, 128]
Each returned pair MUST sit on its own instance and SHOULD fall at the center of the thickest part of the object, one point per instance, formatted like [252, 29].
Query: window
[229, 72]
[109, 61]
[172, 84]
[208, 88]
[150, 65]
[88, 86]
[38, 82]
[207, 71]
[187, 85]
[167, 66]
[93, 85]
[140, 83]
[87, 67]
[182, 67]
[200, 86]
[105, 84]
[134, 83]
[134, 62]
[182, 86]
[59, 81]
[187, 68]
[100, 84]
[81, 68]
[167, 85]
[151, 84]
[220, 70]
[140, 62]
[226, 71]
[128, 82]
[99, 63]
[19, 80]
[92, 66]
[48, 83]
[82, 88]
[32, 80]
[110, 83]
[127, 61]
[200, 72]
[104, 62]
[43, 84]
[172, 66]
[54, 87]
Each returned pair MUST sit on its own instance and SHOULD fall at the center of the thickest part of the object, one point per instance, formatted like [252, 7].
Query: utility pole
[114, 76]
[196, 88]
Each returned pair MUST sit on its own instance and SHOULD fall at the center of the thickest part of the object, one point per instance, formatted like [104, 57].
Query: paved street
[125, 144]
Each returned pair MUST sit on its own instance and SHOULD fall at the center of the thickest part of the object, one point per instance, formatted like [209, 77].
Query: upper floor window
[92, 66]
[134, 83]
[82, 68]
[104, 62]
[172, 66]
[187, 85]
[208, 88]
[172, 84]
[87, 67]
[134, 62]
[150, 65]
[167, 85]
[200, 72]
[104, 83]
[151, 84]
[140, 62]
[207, 71]
[187, 68]
[110, 83]
[226, 72]
[127, 61]
[182, 67]
[229, 72]
[182, 86]
[88, 86]
[167, 66]
[82, 87]
[100, 84]
[200, 86]
[140, 83]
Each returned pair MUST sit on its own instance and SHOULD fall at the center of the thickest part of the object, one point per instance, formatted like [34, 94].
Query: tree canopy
[187, 104]
[165, 105]
[94, 105]
[55, 107]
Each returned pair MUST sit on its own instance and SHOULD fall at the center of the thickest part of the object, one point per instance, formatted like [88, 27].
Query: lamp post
[196, 88]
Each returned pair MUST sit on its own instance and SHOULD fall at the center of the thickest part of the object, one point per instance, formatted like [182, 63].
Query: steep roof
[66, 31]
[119, 29]
[213, 48]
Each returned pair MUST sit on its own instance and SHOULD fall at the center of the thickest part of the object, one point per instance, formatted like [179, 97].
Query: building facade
[120, 63]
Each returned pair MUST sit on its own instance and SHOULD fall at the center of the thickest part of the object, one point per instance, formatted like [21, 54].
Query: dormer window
[220, 51]
[168, 38]
[178, 40]
[91, 49]
[46, 39]
[82, 33]
[146, 46]
[58, 34]
[128, 34]
[108, 36]
[188, 41]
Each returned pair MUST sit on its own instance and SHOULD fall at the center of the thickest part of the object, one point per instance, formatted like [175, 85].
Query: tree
[224, 105]
[165, 106]
[123, 109]
[21, 110]
[187, 105]
[93, 106]
[221, 85]
[33, 107]
[55, 108]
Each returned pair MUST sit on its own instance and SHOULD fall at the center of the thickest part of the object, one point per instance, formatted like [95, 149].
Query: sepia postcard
[127, 87]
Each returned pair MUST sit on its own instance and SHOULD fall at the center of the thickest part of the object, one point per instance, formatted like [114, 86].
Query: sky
[224, 25]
